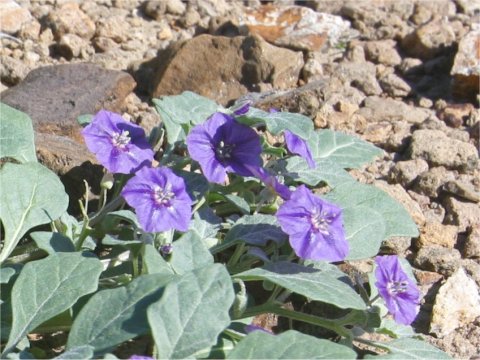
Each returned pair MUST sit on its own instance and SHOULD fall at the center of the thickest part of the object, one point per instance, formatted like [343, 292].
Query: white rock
[457, 304]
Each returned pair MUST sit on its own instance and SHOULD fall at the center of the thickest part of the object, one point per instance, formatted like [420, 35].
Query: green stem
[236, 255]
[336, 325]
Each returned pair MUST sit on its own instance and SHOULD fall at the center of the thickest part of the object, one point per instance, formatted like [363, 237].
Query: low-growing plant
[191, 244]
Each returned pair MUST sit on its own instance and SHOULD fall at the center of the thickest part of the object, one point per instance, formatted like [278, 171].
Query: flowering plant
[189, 248]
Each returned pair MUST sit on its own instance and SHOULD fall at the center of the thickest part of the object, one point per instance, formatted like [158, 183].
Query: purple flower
[140, 357]
[271, 182]
[314, 226]
[400, 293]
[242, 108]
[222, 145]
[160, 199]
[120, 146]
[251, 328]
[296, 145]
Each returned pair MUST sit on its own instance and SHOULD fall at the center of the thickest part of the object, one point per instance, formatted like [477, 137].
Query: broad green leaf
[186, 108]
[365, 230]
[277, 122]
[408, 348]
[206, 225]
[239, 203]
[288, 345]
[218, 351]
[196, 184]
[325, 171]
[85, 119]
[256, 230]
[115, 315]
[192, 312]
[52, 242]
[48, 287]
[16, 135]
[126, 215]
[312, 283]
[154, 262]
[33, 195]
[346, 151]
[77, 353]
[397, 220]
[189, 253]
[6, 274]
[392, 328]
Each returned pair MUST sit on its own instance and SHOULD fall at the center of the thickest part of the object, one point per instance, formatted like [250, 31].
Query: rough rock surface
[12, 16]
[247, 64]
[457, 304]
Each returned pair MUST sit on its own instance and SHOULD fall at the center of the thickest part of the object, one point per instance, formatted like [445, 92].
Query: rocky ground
[403, 75]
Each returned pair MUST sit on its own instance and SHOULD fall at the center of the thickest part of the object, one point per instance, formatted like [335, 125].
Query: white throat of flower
[163, 196]
[397, 287]
[121, 140]
[320, 221]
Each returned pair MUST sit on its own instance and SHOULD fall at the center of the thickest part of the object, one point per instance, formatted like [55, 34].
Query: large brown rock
[54, 96]
[12, 16]
[224, 68]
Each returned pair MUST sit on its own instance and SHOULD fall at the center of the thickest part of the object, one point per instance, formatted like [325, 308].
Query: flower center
[397, 287]
[320, 221]
[163, 196]
[224, 151]
[121, 140]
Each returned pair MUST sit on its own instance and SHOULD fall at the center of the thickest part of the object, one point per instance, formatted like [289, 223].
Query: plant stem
[236, 255]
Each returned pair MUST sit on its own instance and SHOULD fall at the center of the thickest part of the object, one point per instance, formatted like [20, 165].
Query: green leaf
[206, 225]
[189, 253]
[77, 353]
[397, 220]
[277, 122]
[325, 171]
[392, 328]
[47, 287]
[115, 315]
[187, 108]
[154, 262]
[126, 215]
[85, 119]
[365, 230]
[16, 135]
[408, 348]
[344, 150]
[288, 345]
[312, 283]
[256, 229]
[6, 274]
[52, 242]
[192, 312]
[35, 196]
[238, 202]
[196, 184]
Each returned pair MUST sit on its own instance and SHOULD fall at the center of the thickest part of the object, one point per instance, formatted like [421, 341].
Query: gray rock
[396, 245]
[71, 46]
[435, 212]
[462, 189]
[382, 52]
[155, 9]
[457, 304]
[439, 150]
[411, 66]
[359, 75]
[12, 71]
[175, 7]
[69, 19]
[394, 85]
[378, 109]
[429, 40]
[471, 247]
[249, 64]
[405, 172]
[472, 268]
[427, 10]
[430, 182]
[438, 258]
[460, 213]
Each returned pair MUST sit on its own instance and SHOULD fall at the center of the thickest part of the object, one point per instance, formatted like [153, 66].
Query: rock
[430, 182]
[359, 75]
[248, 64]
[69, 19]
[466, 68]
[30, 30]
[382, 52]
[103, 44]
[71, 46]
[426, 10]
[115, 59]
[175, 7]
[435, 212]
[434, 233]
[378, 109]
[395, 86]
[468, 7]
[429, 40]
[295, 27]
[460, 213]
[12, 71]
[113, 28]
[12, 17]
[426, 277]
[54, 96]
[457, 304]
[472, 268]
[439, 150]
[396, 245]
[462, 189]
[155, 9]
[456, 115]
[399, 194]
[439, 259]
[405, 172]
[471, 248]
